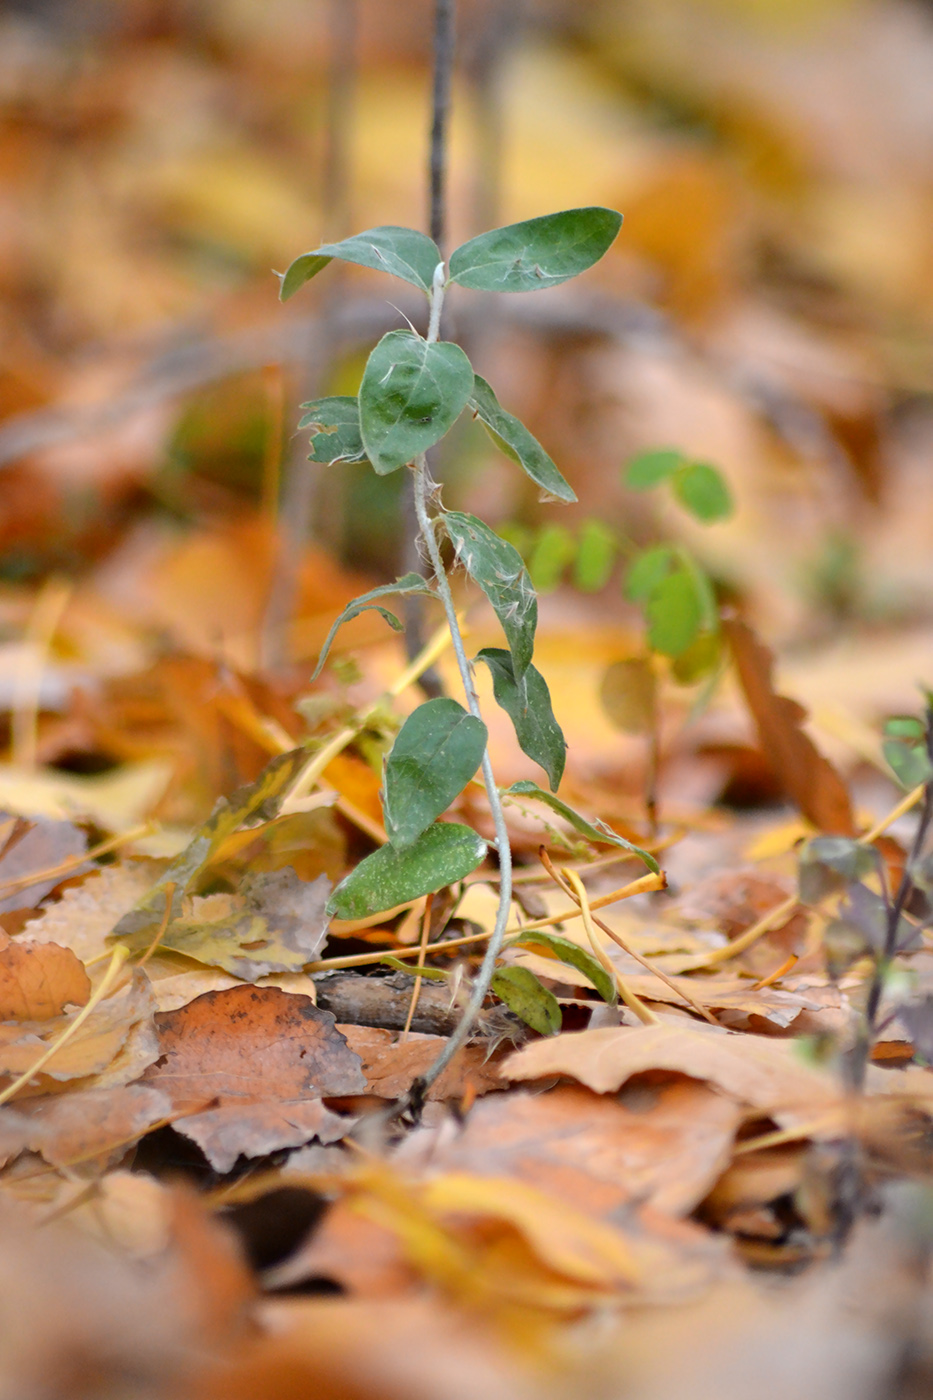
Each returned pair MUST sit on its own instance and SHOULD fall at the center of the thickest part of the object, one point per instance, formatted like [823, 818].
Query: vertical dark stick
[444, 40]
[443, 70]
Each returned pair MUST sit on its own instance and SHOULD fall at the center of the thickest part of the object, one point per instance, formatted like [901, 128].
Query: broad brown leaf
[250, 1044]
[665, 1145]
[38, 980]
[809, 779]
[391, 1065]
[255, 1130]
[77, 1127]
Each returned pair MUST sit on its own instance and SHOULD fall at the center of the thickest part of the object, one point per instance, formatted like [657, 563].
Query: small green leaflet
[675, 613]
[830, 863]
[435, 754]
[647, 571]
[528, 705]
[498, 569]
[408, 583]
[537, 253]
[908, 762]
[412, 392]
[403, 252]
[552, 551]
[513, 438]
[649, 469]
[703, 490]
[443, 854]
[593, 831]
[570, 953]
[596, 555]
[336, 429]
[522, 993]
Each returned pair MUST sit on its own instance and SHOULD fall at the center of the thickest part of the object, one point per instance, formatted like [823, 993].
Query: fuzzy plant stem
[426, 527]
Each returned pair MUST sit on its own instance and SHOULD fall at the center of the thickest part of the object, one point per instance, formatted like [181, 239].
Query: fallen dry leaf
[664, 1145]
[391, 1064]
[809, 779]
[45, 845]
[250, 1044]
[256, 1129]
[38, 980]
[82, 1126]
[765, 1073]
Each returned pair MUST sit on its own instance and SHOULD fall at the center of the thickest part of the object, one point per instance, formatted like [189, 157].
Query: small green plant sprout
[413, 390]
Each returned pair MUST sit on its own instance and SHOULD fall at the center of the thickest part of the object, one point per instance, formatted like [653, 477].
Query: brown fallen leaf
[38, 980]
[77, 1127]
[391, 1065]
[90, 1051]
[763, 1072]
[808, 777]
[252, 1043]
[664, 1145]
[46, 844]
[255, 1130]
[85, 914]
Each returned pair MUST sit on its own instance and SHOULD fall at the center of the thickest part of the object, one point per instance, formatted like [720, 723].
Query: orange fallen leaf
[252, 1043]
[69, 1129]
[808, 777]
[391, 1064]
[38, 980]
[255, 1130]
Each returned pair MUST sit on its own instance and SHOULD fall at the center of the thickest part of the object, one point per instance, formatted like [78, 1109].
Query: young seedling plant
[413, 390]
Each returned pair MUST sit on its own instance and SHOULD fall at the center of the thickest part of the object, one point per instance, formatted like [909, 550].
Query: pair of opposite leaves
[413, 390]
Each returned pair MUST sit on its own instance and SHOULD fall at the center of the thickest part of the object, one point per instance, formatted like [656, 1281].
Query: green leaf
[700, 659]
[551, 552]
[830, 863]
[537, 253]
[647, 571]
[593, 831]
[431, 974]
[570, 953]
[908, 762]
[522, 993]
[435, 754]
[443, 854]
[905, 727]
[412, 392]
[513, 438]
[498, 569]
[704, 492]
[595, 556]
[408, 583]
[336, 429]
[649, 469]
[403, 252]
[256, 801]
[675, 613]
[528, 705]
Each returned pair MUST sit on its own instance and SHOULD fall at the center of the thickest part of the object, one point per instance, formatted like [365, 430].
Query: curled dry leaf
[250, 1044]
[665, 1145]
[255, 1130]
[809, 778]
[93, 1047]
[46, 844]
[765, 1073]
[78, 1127]
[38, 980]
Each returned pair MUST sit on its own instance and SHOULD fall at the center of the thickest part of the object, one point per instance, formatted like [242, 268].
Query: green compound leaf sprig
[413, 390]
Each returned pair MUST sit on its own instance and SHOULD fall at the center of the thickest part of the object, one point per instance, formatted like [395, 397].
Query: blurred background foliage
[767, 307]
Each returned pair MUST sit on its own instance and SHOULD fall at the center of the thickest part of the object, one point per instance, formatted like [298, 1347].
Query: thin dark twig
[444, 39]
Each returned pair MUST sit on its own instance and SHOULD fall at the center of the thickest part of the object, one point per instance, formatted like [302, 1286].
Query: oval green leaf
[595, 830]
[335, 429]
[649, 469]
[435, 754]
[498, 569]
[402, 252]
[675, 613]
[553, 550]
[704, 492]
[537, 253]
[596, 556]
[408, 583]
[513, 438]
[443, 854]
[522, 993]
[412, 392]
[528, 705]
[570, 953]
[646, 572]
